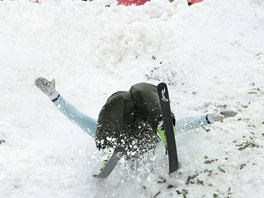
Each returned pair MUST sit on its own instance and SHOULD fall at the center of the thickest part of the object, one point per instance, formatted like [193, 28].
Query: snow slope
[210, 54]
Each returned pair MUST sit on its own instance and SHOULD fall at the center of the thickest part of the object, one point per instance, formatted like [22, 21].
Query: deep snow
[210, 54]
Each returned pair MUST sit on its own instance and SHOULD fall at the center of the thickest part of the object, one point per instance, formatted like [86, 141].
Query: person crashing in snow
[131, 119]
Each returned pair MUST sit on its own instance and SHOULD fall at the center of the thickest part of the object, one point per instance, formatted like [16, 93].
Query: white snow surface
[211, 55]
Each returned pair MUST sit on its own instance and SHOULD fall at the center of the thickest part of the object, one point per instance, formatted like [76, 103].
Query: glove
[47, 87]
[220, 116]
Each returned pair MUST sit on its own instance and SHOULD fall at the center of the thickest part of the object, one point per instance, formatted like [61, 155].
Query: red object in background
[142, 2]
[36, 1]
[194, 1]
[131, 2]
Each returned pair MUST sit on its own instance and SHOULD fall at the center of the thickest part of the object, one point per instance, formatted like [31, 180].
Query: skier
[131, 119]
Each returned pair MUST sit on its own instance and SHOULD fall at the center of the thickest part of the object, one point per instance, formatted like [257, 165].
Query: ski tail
[111, 164]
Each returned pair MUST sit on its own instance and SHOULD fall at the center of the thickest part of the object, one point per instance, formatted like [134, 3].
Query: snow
[210, 54]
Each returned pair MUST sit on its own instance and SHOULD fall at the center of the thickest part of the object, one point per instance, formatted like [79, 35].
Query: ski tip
[162, 84]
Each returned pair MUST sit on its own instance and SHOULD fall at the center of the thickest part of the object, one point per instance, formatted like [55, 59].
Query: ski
[109, 167]
[168, 126]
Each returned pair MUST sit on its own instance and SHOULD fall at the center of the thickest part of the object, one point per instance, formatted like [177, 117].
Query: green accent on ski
[161, 133]
[105, 156]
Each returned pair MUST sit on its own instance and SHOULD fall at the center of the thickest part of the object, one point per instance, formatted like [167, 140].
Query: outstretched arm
[188, 123]
[85, 122]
